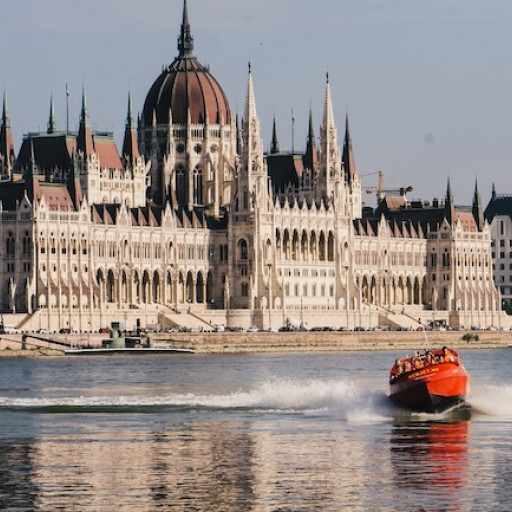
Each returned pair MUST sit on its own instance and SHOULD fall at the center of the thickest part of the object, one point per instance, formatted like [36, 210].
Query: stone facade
[498, 214]
[192, 224]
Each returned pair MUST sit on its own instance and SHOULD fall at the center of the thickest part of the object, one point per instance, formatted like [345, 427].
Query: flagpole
[293, 133]
[67, 109]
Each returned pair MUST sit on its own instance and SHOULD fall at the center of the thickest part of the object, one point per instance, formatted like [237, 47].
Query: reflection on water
[217, 466]
[208, 470]
[225, 466]
[302, 442]
[431, 457]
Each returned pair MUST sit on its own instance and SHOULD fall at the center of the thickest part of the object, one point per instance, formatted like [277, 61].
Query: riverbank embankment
[254, 342]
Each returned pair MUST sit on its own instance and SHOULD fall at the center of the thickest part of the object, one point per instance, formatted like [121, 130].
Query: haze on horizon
[426, 84]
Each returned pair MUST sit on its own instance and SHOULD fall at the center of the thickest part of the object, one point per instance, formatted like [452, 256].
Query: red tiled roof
[107, 153]
[467, 220]
[56, 196]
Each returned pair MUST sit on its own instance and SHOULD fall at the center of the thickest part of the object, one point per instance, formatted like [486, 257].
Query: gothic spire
[348, 154]
[252, 145]
[185, 40]
[330, 163]
[448, 203]
[311, 131]
[274, 145]
[250, 102]
[449, 195]
[5, 116]
[130, 148]
[84, 117]
[311, 156]
[7, 155]
[476, 208]
[328, 131]
[328, 119]
[30, 174]
[84, 141]
[52, 124]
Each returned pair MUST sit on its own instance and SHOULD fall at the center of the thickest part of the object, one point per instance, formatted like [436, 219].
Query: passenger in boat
[428, 357]
[448, 356]
[417, 361]
[396, 370]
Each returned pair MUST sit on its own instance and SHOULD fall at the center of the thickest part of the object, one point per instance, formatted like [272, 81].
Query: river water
[271, 432]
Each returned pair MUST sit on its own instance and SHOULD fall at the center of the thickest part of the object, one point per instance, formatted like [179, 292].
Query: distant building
[498, 214]
[192, 224]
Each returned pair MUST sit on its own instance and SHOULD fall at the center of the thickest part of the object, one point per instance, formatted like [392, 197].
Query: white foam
[342, 397]
[492, 400]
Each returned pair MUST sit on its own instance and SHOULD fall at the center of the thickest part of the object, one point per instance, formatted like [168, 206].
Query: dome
[186, 85]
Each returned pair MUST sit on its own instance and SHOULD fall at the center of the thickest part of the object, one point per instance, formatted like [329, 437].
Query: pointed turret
[31, 175]
[130, 148]
[84, 141]
[348, 155]
[274, 145]
[311, 156]
[185, 39]
[252, 146]
[330, 164]
[7, 155]
[253, 177]
[52, 124]
[476, 208]
[250, 102]
[328, 117]
[448, 203]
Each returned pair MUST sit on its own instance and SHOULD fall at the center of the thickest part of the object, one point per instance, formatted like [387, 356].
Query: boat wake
[492, 401]
[339, 399]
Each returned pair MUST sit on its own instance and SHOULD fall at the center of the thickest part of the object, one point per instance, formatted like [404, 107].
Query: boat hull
[431, 389]
[133, 351]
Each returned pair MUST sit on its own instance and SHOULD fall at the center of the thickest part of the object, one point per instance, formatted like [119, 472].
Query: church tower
[330, 158]
[352, 179]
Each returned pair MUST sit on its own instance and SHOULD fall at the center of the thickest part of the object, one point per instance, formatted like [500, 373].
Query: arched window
[243, 253]
[198, 186]
[330, 247]
[9, 245]
[26, 247]
[245, 204]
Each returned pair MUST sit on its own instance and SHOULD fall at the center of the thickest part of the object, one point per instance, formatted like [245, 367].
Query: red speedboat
[431, 381]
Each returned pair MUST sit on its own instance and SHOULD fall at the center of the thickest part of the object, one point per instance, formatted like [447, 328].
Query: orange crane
[379, 190]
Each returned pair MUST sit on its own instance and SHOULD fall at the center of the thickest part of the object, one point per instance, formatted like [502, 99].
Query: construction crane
[379, 190]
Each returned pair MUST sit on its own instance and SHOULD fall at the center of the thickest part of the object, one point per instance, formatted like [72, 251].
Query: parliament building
[193, 224]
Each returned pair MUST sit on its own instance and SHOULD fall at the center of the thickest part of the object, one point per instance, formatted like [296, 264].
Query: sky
[427, 84]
